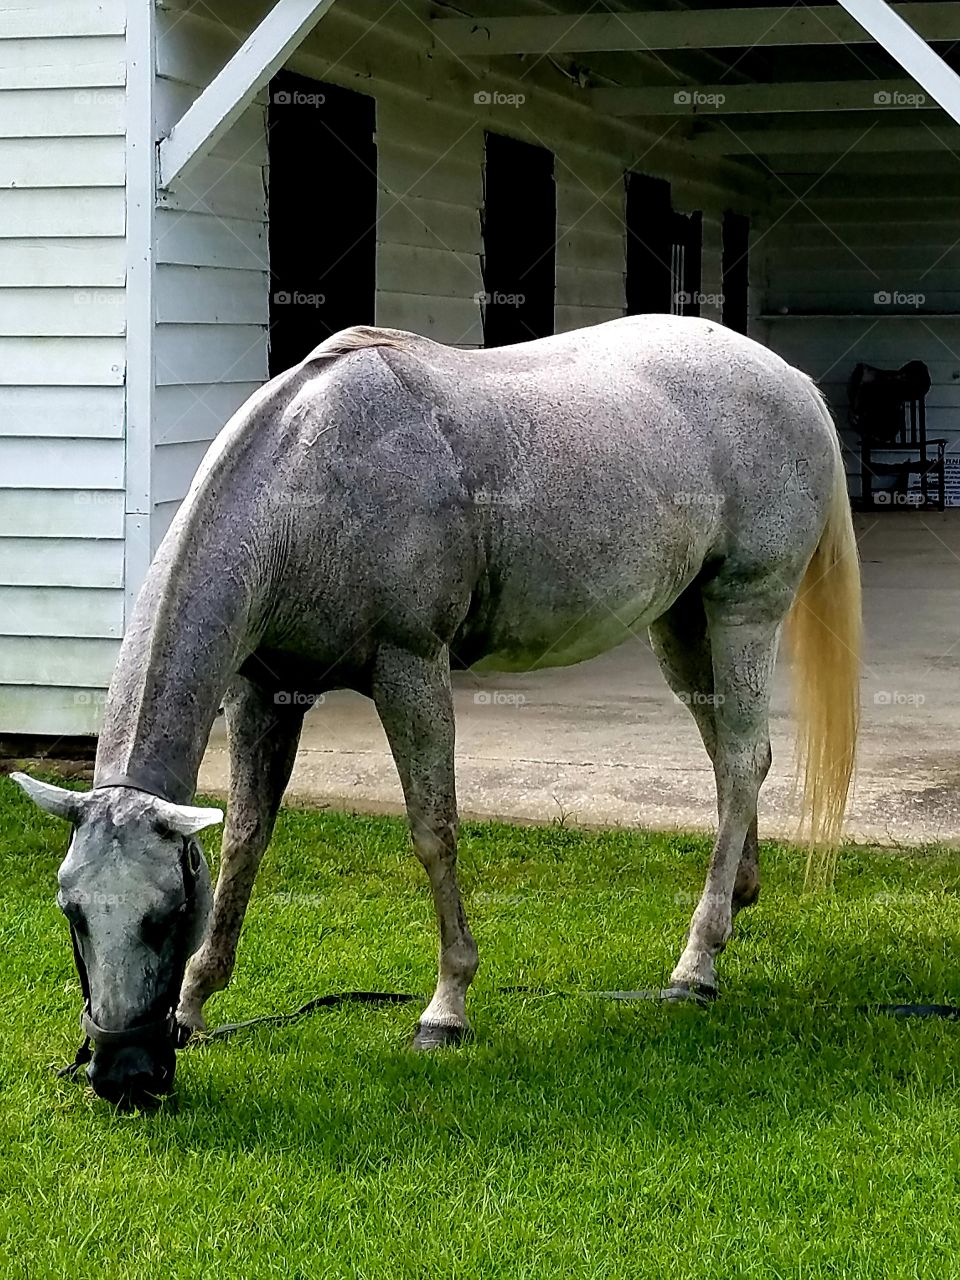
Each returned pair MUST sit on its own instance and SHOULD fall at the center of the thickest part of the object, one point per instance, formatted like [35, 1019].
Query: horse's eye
[72, 911]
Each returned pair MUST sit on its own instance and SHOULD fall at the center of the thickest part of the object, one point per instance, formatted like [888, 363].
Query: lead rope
[84, 1054]
[948, 1012]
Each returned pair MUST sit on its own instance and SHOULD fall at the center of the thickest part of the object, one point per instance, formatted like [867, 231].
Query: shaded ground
[605, 742]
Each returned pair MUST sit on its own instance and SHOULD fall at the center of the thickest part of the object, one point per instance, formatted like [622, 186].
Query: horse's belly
[550, 640]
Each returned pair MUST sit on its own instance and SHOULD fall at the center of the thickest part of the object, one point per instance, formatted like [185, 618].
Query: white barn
[476, 171]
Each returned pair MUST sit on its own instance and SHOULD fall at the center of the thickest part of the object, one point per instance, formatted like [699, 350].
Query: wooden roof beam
[683, 29]
[770, 99]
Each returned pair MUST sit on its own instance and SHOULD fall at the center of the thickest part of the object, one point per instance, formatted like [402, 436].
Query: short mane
[357, 337]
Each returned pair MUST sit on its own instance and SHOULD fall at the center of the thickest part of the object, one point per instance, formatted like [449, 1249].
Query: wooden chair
[888, 410]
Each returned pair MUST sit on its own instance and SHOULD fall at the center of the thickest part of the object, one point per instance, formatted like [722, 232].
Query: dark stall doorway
[649, 218]
[664, 250]
[519, 241]
[736, 270]
[322, 213]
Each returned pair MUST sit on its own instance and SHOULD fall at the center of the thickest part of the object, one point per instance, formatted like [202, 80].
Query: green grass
[783, 1133]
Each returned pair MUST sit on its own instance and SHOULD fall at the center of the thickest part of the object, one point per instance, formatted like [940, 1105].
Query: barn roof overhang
[747, 80]
[743, 80]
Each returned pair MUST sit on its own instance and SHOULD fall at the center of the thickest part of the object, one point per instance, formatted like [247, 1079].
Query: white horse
[390, 505]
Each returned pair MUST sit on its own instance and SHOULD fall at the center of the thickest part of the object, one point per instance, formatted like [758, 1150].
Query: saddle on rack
[887, 408]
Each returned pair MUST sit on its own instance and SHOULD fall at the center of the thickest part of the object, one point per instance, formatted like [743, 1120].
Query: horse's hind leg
[413, 699]
[682, 647]
[743, 622]
[263, 739]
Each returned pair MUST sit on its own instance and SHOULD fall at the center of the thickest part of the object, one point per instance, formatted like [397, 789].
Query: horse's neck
[183, 646]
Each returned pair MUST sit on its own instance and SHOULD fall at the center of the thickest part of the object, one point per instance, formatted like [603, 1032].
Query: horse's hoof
[700, 993]
[184, 1032]
[438, 1035]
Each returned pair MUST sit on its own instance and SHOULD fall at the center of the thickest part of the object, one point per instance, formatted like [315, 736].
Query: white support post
[910, 50]
[232, 90]
[141, 160]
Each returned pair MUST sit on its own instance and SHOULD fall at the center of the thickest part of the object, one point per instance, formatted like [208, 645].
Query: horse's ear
[185, 819]
[56, 800]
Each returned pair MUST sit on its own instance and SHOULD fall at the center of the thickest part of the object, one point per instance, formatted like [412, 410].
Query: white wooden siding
[54, 712]
[42, 261]
[50, 412]
[212, 286]
[64, 513]
[53, 660]
[62, 321]
[62, 62]
[81, 18]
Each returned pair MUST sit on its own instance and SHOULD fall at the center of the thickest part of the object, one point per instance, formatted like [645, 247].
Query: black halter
[164, 1027]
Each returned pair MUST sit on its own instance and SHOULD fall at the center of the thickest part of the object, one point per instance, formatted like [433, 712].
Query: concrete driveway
[605, 743]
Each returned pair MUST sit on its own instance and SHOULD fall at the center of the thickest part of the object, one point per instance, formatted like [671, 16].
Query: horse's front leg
[262, 737]
[413, 699]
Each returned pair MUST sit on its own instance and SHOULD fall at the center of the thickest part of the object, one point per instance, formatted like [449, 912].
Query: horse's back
[610, 464]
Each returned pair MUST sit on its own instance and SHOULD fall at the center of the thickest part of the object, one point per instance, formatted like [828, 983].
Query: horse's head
[135, 888]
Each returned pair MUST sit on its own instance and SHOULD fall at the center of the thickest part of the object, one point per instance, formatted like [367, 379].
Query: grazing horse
[391, 505]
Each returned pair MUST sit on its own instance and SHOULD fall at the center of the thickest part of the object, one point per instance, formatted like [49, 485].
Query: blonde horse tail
[824, 632]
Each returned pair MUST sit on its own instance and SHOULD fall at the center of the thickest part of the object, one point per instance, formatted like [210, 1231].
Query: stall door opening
[519, 241]
[664, 250]
[736, 270]
[322, 199]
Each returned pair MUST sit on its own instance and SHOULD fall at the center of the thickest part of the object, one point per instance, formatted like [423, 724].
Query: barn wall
[880, 225]
[213, 282]
[62, 75]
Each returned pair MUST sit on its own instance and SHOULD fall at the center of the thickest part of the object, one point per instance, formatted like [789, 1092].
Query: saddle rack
[887, 408]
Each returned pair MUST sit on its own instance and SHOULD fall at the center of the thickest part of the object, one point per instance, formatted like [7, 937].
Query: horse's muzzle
[133, 1076]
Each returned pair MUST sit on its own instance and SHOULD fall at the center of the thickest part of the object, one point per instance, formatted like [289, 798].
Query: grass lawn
[783, 1133]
